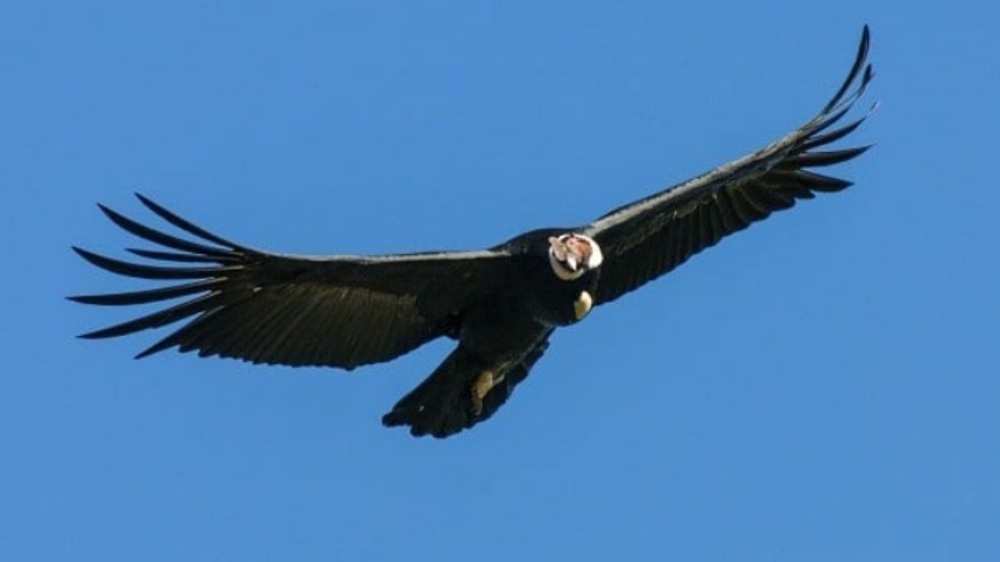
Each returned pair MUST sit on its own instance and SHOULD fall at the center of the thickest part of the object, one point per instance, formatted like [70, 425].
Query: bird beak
[571, 262]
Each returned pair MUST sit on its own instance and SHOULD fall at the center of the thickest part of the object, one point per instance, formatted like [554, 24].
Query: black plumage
[500, 304]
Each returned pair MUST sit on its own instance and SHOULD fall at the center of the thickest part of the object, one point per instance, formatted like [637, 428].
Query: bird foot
[480, 388]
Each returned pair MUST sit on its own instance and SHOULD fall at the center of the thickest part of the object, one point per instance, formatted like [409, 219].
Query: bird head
[571, 255]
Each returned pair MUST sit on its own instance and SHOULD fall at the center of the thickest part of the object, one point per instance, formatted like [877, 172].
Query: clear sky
[821, 387]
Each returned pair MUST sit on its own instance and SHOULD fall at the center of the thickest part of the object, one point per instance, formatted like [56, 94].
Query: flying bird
[501, 304]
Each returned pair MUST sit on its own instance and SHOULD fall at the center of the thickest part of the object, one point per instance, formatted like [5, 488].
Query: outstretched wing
[340, 311]
[646, 239]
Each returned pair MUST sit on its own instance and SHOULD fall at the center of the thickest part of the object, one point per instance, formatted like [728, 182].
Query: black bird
[501, 304]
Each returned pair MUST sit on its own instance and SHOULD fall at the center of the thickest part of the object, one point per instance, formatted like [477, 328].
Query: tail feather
[443, 404]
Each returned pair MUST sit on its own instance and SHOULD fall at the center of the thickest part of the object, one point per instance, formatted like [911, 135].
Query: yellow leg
[480, 388]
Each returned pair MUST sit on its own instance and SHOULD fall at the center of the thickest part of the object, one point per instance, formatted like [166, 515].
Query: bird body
[501, 304]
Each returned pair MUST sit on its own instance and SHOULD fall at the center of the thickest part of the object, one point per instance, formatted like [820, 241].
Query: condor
[500, 304]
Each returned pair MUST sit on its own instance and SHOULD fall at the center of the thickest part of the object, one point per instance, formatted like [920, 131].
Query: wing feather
[262, 307]
[647, 238]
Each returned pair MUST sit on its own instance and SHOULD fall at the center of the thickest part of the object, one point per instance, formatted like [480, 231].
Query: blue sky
[823, 386]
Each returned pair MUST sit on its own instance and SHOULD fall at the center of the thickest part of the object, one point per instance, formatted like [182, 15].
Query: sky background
[821, 387]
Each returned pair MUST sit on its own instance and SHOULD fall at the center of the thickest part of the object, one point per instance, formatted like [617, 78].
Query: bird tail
[460, 393]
